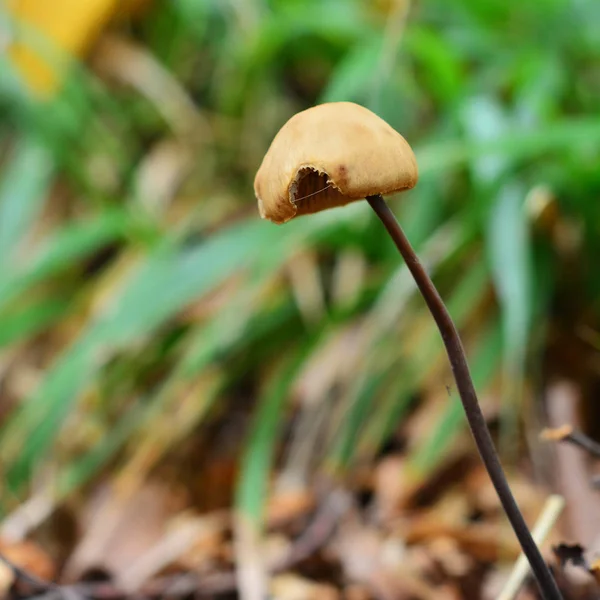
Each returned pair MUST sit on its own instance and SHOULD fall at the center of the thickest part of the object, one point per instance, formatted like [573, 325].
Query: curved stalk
[468, 396]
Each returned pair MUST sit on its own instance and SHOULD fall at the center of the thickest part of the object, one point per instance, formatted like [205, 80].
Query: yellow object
[46, 32]
[330, 155]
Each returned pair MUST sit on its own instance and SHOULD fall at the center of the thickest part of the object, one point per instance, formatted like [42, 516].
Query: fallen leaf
[288, 504]
[29, 557]
[119, 527]
[293, 587]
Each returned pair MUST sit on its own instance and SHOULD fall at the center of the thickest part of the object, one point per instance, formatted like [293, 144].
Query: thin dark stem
[466, 390]
[578, 438]
[575, 437]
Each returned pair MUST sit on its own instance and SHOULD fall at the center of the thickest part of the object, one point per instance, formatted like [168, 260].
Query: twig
[552, 509]
[567, 433]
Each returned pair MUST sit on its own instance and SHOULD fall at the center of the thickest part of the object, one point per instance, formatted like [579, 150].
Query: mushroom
[339, 152]
[328, 156]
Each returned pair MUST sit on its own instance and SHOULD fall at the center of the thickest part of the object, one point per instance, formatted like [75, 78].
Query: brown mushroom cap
[330, 155]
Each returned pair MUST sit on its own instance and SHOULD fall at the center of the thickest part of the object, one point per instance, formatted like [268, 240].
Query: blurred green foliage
[140, 293]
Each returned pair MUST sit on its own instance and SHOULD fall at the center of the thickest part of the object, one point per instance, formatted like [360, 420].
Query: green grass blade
[64, 249]
[163, 284]
[25, 181]
[565, 135]
[258, 455]
[509, 253]
[23, 322]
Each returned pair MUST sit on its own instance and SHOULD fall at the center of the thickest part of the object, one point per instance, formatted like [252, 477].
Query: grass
[127, 322]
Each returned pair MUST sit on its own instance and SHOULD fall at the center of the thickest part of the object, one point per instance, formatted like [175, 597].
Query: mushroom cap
[328, 156]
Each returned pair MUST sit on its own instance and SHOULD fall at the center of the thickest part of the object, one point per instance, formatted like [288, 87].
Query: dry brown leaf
[28, 556]
[210, 546]
[480, 540]
[189, 539]
[119, 527]
[483, 496]
[391, 485]
[293, 587]
[447, 552]
[379, 563]
[288, 504]
[356, 592]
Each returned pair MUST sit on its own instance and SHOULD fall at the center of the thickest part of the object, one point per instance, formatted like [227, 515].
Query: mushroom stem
[468, 396]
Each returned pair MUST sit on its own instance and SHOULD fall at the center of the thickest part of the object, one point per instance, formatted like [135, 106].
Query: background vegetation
[152, 328]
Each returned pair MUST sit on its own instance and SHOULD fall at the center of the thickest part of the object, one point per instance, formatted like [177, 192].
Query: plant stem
[468, 396]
